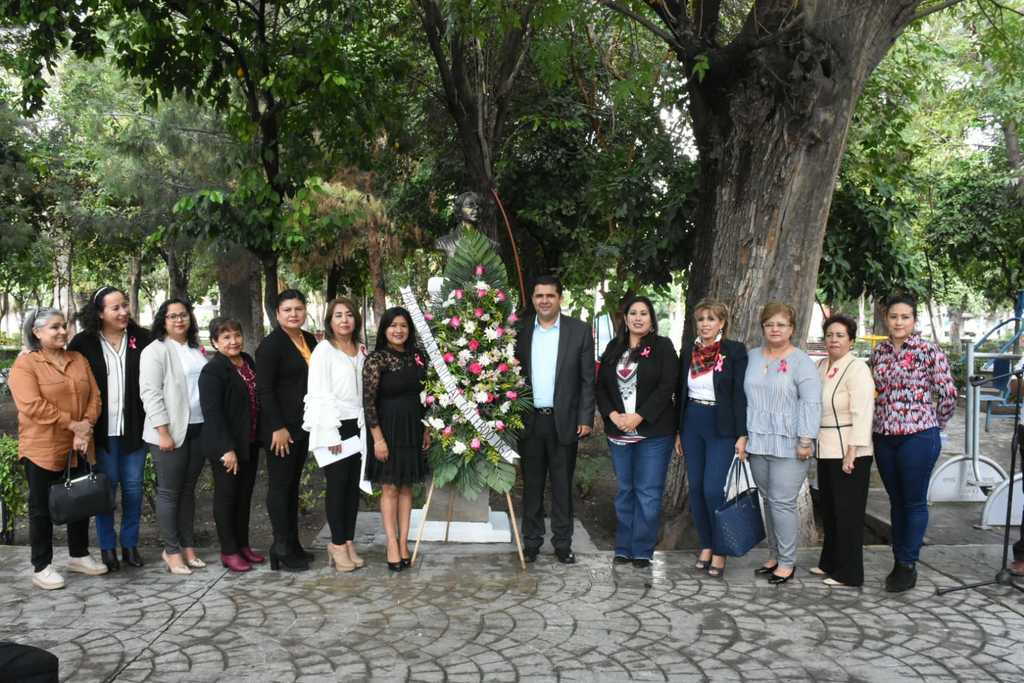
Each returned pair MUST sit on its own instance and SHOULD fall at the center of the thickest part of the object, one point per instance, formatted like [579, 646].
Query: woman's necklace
[116, 346]
[770, 358]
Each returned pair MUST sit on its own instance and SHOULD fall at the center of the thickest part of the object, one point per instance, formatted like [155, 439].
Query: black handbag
[85, 496]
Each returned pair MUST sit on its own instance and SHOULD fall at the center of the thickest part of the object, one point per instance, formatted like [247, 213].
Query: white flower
[423, 397]
[444, 399]
[486, 317]
[461, 341]
[510, 350]
[465, 355]
[436, 422]
[480, 284]
[491, 333]
[480, 397]
[458, 448]
[505, 405]
[484, 359]
[469, 326]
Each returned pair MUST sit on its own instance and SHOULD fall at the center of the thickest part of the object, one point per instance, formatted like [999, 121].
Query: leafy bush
[13, 486]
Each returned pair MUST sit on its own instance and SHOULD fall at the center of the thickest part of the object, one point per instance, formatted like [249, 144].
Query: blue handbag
[738, 525]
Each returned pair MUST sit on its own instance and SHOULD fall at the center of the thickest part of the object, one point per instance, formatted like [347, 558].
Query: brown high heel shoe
[337, 555]
[358, 561]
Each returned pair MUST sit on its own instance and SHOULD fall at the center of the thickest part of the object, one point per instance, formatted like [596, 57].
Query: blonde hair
[775, 308]
[717, 308]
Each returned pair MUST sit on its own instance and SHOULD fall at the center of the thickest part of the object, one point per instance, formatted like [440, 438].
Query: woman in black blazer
[112, 343]
[712, 421]
[634, 391]
[229, 440]
[283, 362]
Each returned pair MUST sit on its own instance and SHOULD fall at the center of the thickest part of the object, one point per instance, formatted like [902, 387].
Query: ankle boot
[109, 558]
[235, 563]
[902, 578]
[354, 556]
[281, 557]
[251, 556]
[337, 555]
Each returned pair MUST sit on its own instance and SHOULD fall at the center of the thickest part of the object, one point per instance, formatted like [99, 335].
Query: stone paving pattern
[478, 617]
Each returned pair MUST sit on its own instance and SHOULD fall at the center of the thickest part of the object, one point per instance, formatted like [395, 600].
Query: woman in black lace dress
[392, 381]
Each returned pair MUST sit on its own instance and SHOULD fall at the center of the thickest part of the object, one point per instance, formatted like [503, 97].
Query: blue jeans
[708, 457]
[124, 469]
[905, 464]
[640, 468]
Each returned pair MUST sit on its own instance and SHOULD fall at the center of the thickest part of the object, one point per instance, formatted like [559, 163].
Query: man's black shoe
[565, 556]
[530, 555]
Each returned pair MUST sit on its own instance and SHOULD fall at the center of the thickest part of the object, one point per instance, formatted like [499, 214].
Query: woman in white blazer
[333, 417]
[169, 385]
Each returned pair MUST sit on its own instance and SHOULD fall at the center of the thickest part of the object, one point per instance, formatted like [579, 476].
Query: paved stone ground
[478, 617]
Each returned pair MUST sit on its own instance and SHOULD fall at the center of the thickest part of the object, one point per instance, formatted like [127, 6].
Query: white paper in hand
[349, 447]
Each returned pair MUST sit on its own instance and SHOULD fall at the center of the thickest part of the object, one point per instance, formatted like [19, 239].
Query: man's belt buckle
[544, 411]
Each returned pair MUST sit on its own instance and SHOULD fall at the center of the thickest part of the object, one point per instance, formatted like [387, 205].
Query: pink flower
[475, 444]
[500, 331]
[473, 345]
[646, 353]
[512, 318]
[499, 425]
[500, 295]
[419, 361]
[458, 293]
[475, 368]
[455, 322]
[490, 397]
[481, 293]
[478, 312]
[429, 400]
[447, 431]
[479, 271]
[132, 344]
[511, 395]
[449, 357]
[428, 316]
[502, 367]
[783, 365]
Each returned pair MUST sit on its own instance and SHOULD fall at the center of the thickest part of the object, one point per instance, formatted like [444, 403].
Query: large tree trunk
[234, 277]
[270, 286]
[375, 257]
[177, 273]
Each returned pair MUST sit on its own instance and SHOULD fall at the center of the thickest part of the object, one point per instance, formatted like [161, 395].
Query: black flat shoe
[621, 559]
[132, 557]
[109, 558]
[641, 563]
[764, 571]
[776, 580]
[566, 557]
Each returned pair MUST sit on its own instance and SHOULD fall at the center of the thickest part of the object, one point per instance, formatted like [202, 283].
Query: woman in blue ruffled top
[783, 391]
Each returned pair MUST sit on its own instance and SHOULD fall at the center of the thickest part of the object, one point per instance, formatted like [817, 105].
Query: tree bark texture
[135, 284]
[177, 272]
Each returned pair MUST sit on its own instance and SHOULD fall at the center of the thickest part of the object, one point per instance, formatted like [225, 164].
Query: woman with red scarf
[713, 421]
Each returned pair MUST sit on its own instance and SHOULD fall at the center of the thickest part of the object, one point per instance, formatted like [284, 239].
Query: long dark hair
[160, 322]
[385, 322]
[89, 315]
[617, 346]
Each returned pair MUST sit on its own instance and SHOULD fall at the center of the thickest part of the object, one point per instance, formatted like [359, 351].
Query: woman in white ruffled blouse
[334, 419]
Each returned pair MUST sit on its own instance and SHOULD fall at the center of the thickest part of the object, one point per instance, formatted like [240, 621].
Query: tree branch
[932, 9]
[669, 38]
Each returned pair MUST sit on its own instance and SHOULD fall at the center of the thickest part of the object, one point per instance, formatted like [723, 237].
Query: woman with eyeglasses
[783, 416]
[169, 383]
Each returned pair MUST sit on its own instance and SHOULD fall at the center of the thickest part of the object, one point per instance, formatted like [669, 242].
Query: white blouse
[334, 393]
[701, 387]
[192, 362]
[115, 362]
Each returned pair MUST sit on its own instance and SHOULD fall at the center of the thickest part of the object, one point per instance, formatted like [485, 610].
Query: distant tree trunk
[234, 277]
[375, 257]
[878, 317]
[270, 284]
[677, 528]
[177, 273]
[333, 281]
[956, 323]
[135, 284]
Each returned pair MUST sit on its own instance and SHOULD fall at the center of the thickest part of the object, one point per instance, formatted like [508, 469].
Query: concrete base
[496, 530]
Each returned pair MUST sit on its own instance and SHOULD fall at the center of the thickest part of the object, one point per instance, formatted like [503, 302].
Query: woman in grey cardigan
[783, 415]
[169, 384]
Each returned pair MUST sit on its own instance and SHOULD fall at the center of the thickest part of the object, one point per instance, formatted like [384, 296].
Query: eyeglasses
[777, 326]
[178, 316]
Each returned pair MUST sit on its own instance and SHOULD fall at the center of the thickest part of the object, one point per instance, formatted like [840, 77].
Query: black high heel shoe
[763, 571]
[287, 561]
[777, 580]
[406, 562]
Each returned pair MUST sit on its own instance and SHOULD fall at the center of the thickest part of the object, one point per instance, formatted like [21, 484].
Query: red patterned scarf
[704, 358]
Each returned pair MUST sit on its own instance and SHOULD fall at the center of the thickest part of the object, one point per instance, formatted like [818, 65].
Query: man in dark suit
[557, 356]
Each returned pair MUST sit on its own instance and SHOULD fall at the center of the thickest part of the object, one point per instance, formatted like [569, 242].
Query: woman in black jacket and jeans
[712, 421]
[634, 394]
[229, 440]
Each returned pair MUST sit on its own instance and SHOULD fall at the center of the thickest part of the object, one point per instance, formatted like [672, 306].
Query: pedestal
[473, 521]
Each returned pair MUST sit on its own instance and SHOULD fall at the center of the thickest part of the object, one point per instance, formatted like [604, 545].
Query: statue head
[467, 208]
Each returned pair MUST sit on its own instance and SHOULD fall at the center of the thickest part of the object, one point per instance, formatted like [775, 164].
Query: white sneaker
[48, 579]
[86, 565]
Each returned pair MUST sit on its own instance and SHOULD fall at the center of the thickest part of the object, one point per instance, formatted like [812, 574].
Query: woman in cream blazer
[844, 454]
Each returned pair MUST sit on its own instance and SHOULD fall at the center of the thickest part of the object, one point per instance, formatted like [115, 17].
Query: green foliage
[474, 260]
[13, 485]
[589, 467]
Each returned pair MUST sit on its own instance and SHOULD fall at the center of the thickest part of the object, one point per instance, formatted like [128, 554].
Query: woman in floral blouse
[911, 375]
